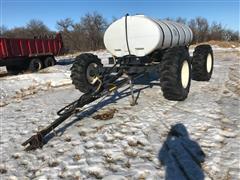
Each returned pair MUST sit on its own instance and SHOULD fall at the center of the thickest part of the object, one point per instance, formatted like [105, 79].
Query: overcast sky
[16, 13]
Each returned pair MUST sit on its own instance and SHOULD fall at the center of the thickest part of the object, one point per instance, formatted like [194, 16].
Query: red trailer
[29, 54]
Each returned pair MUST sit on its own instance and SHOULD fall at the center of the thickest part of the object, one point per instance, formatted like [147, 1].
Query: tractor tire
[202, 63]
[35, 65]
[83, 72]
[175, 73]
[49, 61]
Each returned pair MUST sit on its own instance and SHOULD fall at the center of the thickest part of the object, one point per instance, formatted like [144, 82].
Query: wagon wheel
[202, 63]
[175, 74]
[85, 71]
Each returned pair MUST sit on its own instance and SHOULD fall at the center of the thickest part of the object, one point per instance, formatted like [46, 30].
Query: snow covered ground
[126, 146]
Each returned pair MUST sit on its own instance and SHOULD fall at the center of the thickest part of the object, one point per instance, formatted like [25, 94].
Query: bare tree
[80, 38]
[202, 28]
[94, 26]
[193, 25]
[65, 27]
[65, 24]
[216, 32]
[85, 35]
[37, 27]
[181, 20]
[18, 32]
[3, 30]
[231, 35]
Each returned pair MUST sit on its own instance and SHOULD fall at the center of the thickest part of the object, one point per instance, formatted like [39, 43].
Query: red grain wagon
[19, 54]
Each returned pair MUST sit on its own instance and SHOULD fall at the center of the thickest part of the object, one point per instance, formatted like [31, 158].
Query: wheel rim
[37, 65]
[185, 74]
[92, 73]
[209, 63]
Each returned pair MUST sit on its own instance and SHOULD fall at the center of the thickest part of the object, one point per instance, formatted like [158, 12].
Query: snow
[126, 146]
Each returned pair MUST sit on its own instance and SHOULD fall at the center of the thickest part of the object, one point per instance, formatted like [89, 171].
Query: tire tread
[169, 74]
[78, 71]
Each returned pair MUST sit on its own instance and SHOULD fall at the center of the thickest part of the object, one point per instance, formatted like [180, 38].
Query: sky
[15, 13]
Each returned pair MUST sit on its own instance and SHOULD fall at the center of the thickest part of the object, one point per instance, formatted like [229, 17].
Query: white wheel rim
[209, 63]
[185, 74]
[37, 65]
[91, 77]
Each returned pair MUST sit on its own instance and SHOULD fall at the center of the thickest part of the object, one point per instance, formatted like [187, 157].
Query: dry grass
[222, 44]
[105, 114]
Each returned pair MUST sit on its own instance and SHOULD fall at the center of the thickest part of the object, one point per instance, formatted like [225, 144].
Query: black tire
[174, 82]
[202, 63]
[35, 65]
[49, 61]
[14, 69]
[79, 72]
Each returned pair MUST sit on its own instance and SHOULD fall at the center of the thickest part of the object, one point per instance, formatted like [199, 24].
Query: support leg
[133, 100]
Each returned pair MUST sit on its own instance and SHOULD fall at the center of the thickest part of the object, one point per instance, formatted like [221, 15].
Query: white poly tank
[144, 35]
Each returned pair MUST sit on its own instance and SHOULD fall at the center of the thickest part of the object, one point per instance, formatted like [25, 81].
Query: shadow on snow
[181, 156]
[146, 80]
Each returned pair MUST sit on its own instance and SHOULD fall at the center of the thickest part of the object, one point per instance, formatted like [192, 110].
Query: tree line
[87, 34]
[205, 31]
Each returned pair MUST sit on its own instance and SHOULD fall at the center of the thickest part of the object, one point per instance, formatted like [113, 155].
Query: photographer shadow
[181, 156]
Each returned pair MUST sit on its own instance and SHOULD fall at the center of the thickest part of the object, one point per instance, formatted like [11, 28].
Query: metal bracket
[133, 101]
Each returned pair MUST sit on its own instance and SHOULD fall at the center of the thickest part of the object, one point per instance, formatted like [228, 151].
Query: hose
[99, 85]
[127, 33]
